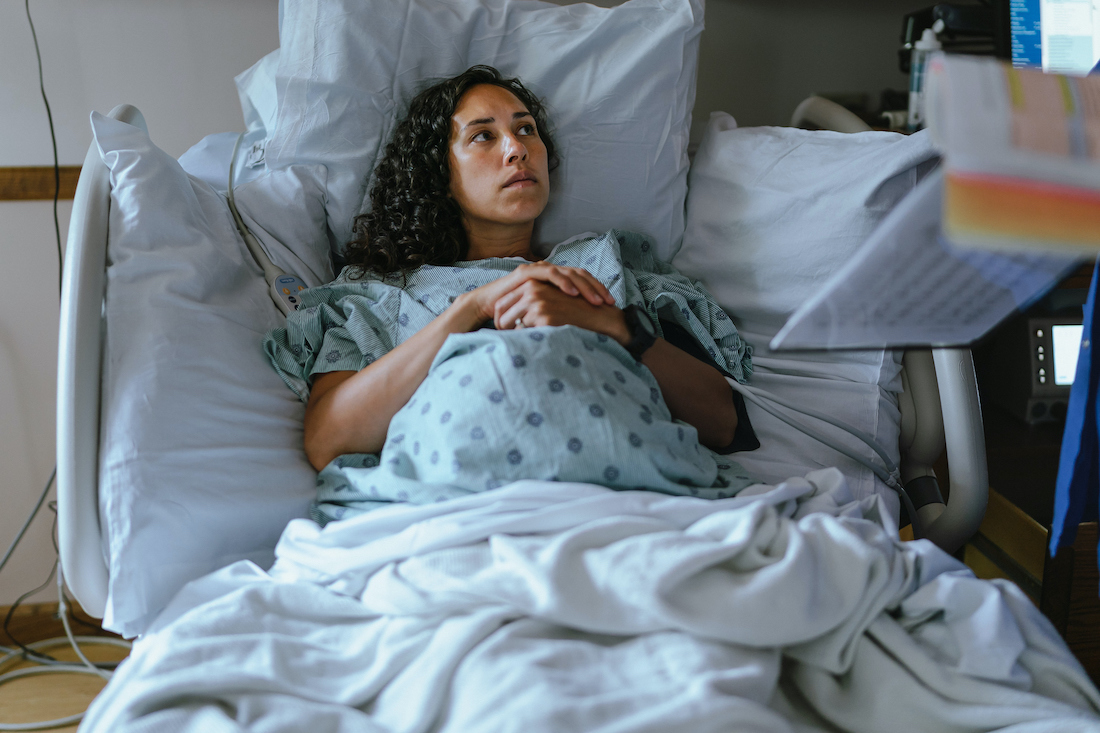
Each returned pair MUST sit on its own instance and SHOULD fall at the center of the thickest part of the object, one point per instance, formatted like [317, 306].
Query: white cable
[284, 289]
[86, 666]
[270, 269]
[63, 610]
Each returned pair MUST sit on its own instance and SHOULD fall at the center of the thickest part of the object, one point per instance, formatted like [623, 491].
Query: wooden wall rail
[36, 183]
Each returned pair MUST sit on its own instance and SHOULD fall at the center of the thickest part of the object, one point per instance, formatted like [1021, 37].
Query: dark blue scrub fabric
[1078, 468]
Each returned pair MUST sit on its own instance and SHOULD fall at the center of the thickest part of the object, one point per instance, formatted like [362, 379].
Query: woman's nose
[514, 149]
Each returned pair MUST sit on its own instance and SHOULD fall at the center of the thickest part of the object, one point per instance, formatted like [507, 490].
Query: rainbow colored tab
[984, 210]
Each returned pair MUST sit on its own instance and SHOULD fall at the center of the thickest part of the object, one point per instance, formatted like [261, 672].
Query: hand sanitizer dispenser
[922, 50]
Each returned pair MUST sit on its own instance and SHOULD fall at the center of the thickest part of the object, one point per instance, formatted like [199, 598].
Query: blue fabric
[1078, 467]
[560, 404]
[552, 403]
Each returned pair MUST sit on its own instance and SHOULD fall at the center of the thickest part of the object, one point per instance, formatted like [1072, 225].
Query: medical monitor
[1027, 366]
[1061, 36]
[1054, 344]
[1065, 346]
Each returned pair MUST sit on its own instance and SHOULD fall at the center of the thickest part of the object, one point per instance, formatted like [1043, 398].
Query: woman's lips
[520, 180]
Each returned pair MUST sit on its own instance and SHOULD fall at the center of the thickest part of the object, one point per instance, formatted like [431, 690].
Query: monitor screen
[1062, 36]
[1067, 343]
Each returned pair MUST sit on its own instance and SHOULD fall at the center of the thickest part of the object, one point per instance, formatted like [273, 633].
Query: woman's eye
[527, 129]
[481, 137]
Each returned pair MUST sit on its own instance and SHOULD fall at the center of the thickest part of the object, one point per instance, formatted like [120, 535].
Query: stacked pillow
[619, 84]
[201, 458]
[772, 213]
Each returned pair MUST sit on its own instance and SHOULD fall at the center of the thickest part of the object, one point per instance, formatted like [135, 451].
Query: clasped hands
[542, 294]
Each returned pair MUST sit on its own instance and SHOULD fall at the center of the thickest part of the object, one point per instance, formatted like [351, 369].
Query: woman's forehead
[487, 101]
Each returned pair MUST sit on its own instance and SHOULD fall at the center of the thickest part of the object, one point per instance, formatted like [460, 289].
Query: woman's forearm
[695, 392]
[350, 412]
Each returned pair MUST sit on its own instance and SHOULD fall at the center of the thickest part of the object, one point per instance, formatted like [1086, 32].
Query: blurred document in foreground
[908, 286]
[1021, 152]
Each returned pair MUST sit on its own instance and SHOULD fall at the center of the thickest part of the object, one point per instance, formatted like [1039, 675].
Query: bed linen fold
[548, 606]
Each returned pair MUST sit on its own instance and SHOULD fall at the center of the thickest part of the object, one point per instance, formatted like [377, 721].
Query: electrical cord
[53, 141]
[284, 289]
[35, 651]
[85, 667]
[26, 524]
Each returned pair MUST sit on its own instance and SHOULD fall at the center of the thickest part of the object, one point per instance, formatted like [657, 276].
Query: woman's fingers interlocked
[573, 281]
[570, 280]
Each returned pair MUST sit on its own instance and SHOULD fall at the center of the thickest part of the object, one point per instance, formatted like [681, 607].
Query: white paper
[908, 286]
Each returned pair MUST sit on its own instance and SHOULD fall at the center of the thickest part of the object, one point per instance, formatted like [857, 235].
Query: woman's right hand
[573, 281]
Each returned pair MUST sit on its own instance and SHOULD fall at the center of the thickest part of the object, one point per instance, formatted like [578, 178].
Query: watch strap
[643, 334]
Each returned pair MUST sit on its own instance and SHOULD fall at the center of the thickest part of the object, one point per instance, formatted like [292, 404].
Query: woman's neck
[500, 242]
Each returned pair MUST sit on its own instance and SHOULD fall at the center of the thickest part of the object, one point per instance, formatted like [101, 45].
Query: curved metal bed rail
[827, 115]
[966, 460]
[79, 371]
[940, 410]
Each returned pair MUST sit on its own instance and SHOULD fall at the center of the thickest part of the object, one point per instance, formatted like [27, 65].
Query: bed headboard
[79, 368]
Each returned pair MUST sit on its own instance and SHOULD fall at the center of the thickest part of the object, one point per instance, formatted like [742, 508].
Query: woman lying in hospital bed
[565, 607]
[417, 402]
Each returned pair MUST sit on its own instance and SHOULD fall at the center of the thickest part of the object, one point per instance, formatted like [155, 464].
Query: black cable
[53, 140]
[27, 523]
[27, 652]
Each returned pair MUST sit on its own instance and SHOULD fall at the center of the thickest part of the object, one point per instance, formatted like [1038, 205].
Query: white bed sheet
[565, 607]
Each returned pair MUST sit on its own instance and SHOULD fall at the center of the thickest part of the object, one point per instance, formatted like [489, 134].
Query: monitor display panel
[1066, 345]
[1061, 36]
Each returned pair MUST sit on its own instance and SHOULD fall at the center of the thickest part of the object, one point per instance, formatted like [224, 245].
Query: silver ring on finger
[520, 323]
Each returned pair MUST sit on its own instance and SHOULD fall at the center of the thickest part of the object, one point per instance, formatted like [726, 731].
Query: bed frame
[939, 406]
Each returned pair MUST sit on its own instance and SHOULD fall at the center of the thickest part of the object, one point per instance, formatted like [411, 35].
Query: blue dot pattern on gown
[560, 403]
[521, 428]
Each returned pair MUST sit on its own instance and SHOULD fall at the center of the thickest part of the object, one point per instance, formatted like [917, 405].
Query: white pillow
[256, 89]
[776, 210]
[201, 460]
[772, 212]
[619, 84]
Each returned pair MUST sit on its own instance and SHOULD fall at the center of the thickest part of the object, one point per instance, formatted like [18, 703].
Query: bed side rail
[79, 371]
[940, 406]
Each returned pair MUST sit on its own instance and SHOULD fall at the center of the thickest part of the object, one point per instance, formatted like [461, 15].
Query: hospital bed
[179, 458]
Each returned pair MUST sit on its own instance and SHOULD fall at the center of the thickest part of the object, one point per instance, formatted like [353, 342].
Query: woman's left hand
[536, 303]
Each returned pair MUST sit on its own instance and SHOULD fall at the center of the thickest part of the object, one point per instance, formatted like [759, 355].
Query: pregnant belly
[555, 403]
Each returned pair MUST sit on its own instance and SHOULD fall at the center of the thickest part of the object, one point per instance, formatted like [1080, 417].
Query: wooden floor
[48, 697]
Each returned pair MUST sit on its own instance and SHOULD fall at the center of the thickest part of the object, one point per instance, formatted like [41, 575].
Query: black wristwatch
[642, 332]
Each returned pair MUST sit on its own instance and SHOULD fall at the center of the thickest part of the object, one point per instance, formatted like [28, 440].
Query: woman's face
[498, 161]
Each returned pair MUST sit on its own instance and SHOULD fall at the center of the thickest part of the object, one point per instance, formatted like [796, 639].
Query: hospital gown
[555, 403]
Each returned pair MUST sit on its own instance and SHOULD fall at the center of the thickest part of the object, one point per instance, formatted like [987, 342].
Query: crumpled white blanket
[566, 607]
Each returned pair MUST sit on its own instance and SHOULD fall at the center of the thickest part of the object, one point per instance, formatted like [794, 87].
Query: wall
[176, 60]
[759, 58]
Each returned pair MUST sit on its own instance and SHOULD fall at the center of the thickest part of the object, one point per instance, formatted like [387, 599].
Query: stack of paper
[1012, 210]
[1022, 149]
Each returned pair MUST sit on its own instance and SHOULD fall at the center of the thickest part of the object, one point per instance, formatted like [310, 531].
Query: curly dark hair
[413, 221]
